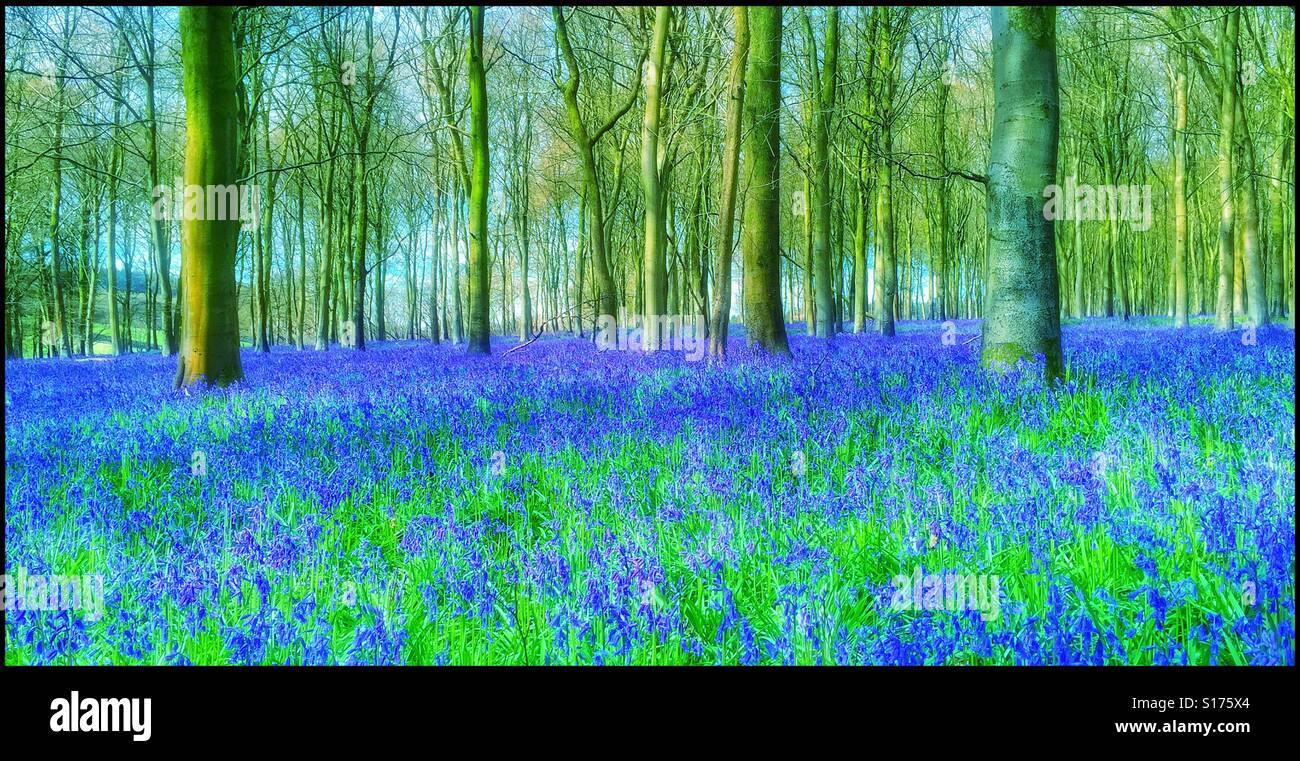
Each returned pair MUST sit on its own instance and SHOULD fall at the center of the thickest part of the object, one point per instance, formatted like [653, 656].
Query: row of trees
[450, 173]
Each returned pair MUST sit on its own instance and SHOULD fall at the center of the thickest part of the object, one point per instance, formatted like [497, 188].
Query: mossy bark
[479, 276]
[210, 324]
[760, 233]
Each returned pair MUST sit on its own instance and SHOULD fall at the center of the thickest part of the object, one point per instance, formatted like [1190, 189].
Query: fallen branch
[541, 329]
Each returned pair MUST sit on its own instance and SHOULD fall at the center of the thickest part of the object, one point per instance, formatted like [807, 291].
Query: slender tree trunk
[820, 212]
[1277, 217]
[63, 337]
[526, 321]
[266, 238]
[655, 267]
[586, 142]
[161, 237]
[359, 238]
[886, 286]
[114, 169]
[327, 260]
[479, 277]
[1251, 258]
[299, 336]
[860, 306]
[1223, 315]
[1180, 188]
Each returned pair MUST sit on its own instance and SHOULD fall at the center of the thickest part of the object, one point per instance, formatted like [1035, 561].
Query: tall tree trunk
[941, 128]
[824, 84]
[655, 267]
[860, 306]
[809, 287]
[211, 322]
[63, 337]
[436, 226]
[326, 273]
[479, 276]
[1278, 215]
[299, 336]
[1223, 316]
[886, 286]
[761, 231]
[1180, 187]
[458, 316]
[114, 169]
[265, 235]
[1251, 258]
[524, 232]
[1022, 313]
[359, 238]
[161, 235]
[586, 142]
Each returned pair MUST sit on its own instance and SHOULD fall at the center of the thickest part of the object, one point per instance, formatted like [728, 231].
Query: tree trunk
[1022, 314]
[161, 236]
[63, 337]
[761, 231]
[211, 322]
[1180, 188]
[1251, 259]
[479, 276]
[824, 82]
[655, 267]
[1223, 316]
[886, 286]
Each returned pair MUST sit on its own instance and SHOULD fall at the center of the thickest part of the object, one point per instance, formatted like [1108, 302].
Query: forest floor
[880, 502]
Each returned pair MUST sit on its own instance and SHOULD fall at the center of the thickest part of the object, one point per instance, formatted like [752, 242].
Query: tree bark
[210, 353]
[1022, 313]
[761, 232]
[479, 276]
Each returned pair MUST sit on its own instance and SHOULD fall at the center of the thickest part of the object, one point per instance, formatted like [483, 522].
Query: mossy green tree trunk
[479, 276]
[760, 230]
[1022, 317]
[210, 322]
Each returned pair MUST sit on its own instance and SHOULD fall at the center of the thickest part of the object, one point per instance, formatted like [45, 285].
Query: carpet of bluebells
[411, 504]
